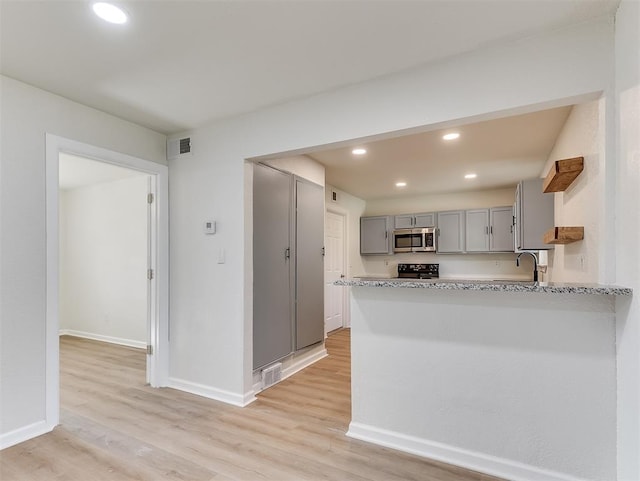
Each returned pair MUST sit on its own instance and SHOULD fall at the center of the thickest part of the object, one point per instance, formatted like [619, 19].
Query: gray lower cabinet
[451, 231]
[288, 271]
[375, 235]
[534, 215]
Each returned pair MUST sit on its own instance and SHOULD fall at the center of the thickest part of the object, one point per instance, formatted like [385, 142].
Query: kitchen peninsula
[515, 379]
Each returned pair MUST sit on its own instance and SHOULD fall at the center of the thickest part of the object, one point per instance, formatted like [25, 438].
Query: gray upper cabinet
[404, 221]
[375, 236]
[451, 231]
[408, 221]
[489, 230]
[477, 230]
[533, 215]
[501, 229]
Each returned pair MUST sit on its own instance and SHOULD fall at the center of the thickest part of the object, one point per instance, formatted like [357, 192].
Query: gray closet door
[309, 263]
[272, 322]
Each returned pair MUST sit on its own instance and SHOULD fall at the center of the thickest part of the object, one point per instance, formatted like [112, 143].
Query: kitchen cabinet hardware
[562, 174]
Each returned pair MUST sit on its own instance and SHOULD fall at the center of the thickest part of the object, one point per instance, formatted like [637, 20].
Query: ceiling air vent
[177, 148]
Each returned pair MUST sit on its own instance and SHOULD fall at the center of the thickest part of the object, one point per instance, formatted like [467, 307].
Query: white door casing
[335, 268]
[158, 362]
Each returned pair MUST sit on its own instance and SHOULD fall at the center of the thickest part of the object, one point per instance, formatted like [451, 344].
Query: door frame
[346, 306]
[158, 361]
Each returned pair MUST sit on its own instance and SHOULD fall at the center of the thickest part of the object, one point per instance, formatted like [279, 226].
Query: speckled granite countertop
[489, 285]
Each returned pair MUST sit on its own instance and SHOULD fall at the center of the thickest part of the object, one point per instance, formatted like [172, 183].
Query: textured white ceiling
[179, 64]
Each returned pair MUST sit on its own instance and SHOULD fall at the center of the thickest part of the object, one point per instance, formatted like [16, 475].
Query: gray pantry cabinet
[309, 263]
[288, 271]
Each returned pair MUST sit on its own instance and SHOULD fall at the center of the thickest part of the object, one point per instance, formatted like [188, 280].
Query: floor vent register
[271, 375]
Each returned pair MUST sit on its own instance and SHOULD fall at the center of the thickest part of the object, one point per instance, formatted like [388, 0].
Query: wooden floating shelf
[562, 174]
[563, 235]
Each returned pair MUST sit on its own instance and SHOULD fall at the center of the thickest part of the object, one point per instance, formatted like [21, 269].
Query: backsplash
[468, 266]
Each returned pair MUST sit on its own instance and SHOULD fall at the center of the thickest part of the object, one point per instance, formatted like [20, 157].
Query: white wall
[581, 204]
[517, 385]
[627, 235]
[26, 115]
[103, 261]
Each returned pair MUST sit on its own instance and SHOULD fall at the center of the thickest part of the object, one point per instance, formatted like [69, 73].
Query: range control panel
[419, 271]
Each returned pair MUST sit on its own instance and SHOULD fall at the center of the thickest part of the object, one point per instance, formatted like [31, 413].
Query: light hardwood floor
[113, 427]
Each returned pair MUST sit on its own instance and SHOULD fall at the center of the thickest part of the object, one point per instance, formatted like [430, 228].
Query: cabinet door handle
[287, 253]
[491, 230]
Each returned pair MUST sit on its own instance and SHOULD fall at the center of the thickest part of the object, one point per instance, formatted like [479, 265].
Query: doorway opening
[336, 309]
[87, 228]
[104, 257]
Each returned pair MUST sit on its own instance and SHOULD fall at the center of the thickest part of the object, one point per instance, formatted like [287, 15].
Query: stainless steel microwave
[414, 240]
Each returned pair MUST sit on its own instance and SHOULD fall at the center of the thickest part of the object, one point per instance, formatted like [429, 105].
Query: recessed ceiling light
[401, 184]
[471, 176]
[359, 151]
[451, 136]
[110, 13]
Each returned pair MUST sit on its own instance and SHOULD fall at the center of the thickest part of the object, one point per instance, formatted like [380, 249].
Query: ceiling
[180, 64]
[500, 152]
[77, 172]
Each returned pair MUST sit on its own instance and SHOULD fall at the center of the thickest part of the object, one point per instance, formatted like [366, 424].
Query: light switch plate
[209, 227]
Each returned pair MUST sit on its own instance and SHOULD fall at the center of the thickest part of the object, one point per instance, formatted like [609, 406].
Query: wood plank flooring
[113, 427]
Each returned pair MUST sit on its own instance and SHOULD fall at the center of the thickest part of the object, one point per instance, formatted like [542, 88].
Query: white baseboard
[228, 397]
[24, 434]
[99, 337]
[483, 463]
[304, 361]
[297, 364]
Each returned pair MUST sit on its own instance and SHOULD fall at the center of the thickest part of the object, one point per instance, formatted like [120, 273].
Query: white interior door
[334, 267]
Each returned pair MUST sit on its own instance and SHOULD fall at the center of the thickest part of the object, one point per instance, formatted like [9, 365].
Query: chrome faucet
[535, 263]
